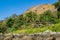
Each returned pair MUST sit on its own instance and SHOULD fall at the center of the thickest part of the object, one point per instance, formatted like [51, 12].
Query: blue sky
[9, 7]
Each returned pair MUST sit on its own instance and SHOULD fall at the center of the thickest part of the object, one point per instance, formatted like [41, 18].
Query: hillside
[42, 8]
[39, 17]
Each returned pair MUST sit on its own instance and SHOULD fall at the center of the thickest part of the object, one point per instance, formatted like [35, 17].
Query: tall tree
[57, 5]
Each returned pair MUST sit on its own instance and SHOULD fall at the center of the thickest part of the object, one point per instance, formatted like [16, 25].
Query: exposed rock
[42, 8]
[8, 36]
[1, 36]
[47, 35]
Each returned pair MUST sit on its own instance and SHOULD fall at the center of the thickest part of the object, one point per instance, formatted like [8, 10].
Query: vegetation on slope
[29, 20]
[54, 28]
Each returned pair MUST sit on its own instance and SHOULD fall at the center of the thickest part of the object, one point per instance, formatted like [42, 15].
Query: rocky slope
[42, 8]
[40, 36]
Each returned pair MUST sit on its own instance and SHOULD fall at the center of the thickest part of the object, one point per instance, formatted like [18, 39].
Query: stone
[1, 36]
[27, 38]
[47, 35]
[8, 36]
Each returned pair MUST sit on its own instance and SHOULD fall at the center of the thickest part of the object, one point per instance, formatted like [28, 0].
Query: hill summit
[42, 8]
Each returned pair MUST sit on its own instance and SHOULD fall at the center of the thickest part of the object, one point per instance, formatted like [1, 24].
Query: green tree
[31, 18]
[58, 15]
[10, 22]
[48, 17]
[3, 26]
[57, 5]
[14, 16]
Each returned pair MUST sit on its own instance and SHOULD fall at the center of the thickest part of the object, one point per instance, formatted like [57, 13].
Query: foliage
[30, 20]
[48, 17]
[53, 27]
[57, 5]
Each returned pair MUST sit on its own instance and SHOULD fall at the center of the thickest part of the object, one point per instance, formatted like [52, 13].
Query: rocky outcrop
[36, 36]
[42, 8]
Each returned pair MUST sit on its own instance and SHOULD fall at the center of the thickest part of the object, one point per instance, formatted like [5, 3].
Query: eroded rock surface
[36, 36]
[39, 9]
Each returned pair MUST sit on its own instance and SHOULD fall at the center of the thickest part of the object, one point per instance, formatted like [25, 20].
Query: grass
[55, 28]
[30, 31]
